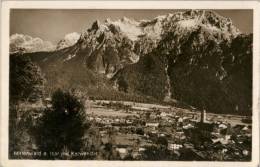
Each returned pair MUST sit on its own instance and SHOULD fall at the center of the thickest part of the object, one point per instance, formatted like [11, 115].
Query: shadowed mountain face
[196, 57]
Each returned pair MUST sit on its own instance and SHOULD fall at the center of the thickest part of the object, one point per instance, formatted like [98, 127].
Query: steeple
[203, 116]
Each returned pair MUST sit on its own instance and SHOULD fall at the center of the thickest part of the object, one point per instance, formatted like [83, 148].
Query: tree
[162, 142]
[62, 126]
[140, 131]
[123, 86]
[26, 84]
[154, 153]
[26, 81]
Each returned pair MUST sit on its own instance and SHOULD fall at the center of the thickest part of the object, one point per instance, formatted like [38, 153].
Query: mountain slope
[218, 79]
[205, 70]
[197, 57]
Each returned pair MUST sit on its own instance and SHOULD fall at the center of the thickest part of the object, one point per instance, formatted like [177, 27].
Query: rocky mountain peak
[95, 25]
[179, 22]
[129, 39]
[192, 20]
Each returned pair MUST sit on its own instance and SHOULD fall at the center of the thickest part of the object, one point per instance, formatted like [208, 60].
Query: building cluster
[179, 135]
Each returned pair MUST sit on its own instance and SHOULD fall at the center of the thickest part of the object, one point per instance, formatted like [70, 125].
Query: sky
[53, 24]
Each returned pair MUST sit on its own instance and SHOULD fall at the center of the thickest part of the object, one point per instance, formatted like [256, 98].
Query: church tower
[203, 116]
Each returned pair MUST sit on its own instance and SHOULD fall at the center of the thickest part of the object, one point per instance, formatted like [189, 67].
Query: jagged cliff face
[202, 60]
[197, 57]
[214, 77]
[114, 44]
[108, 47]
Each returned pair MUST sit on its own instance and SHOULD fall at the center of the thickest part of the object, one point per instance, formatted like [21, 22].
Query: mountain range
[195, 57]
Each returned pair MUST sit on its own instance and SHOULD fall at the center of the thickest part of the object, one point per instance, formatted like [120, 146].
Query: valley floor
[136, 128]
[123, 130]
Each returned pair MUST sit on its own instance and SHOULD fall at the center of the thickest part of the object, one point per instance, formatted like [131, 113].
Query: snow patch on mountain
[188, 24]
[26, 43]
[154, 28]
[128, 27]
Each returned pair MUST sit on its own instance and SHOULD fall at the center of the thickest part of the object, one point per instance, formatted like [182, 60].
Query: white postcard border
[4, 69]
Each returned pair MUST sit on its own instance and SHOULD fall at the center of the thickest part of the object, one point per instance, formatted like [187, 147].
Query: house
[163, 114]
[222, 126]
[153, 116]
[152, 124]
[47, 102]
[122, 152]
[173, 146]
[103, 133]
[180, 120]
[141, 149]
[188, 126]
[161, 135]
[223, 140]
[129, 121]
[245, 152]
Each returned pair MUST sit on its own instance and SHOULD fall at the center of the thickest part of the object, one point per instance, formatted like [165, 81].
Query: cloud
[69, 40]
[29, 44]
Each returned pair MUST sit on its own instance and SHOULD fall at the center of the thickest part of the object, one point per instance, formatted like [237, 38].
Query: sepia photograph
[119, 84]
